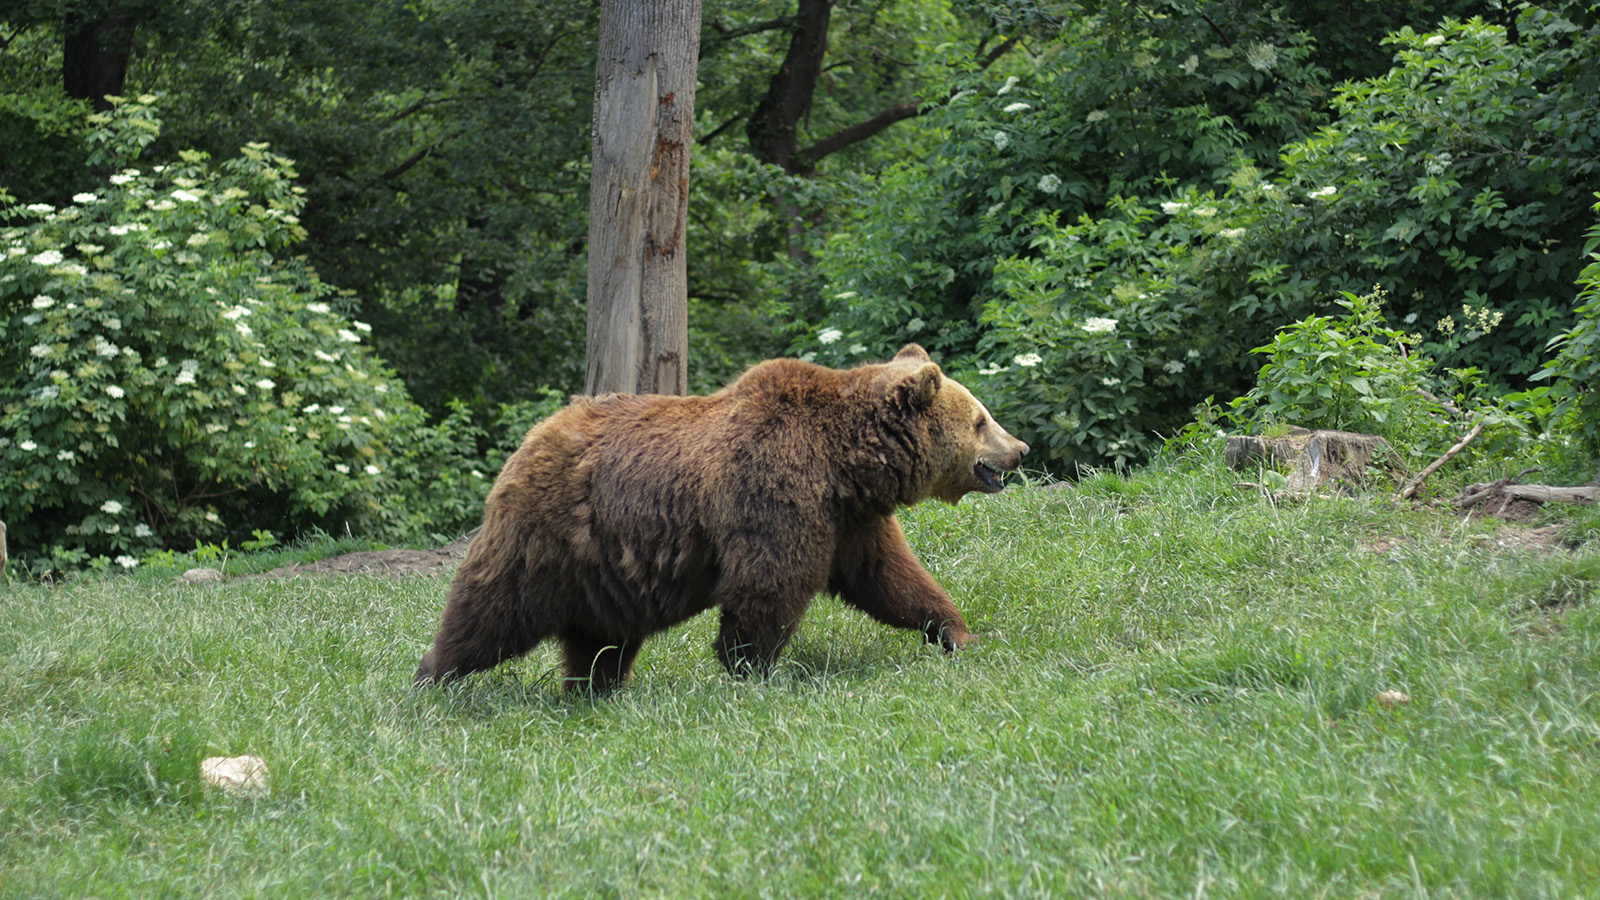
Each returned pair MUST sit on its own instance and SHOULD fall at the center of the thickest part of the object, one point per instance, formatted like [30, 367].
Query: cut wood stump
[1314, 458]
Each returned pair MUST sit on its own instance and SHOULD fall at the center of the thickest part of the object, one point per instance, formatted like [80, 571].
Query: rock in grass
[200, 576]
[1392, 699]
[240, 775]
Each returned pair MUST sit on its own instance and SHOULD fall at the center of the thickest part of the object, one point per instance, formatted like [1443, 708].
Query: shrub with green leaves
[1449, 181]
[1124, 104]
[170, 372]
[1355, 372]
[1576, 367]
[1462, 177]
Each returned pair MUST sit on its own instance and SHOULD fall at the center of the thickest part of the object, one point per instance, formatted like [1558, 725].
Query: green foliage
[169, 372]
[41, 129]
[1576, 367]
[1458, 177]
[1120, 104]
[1448, 182]
[1355, 373]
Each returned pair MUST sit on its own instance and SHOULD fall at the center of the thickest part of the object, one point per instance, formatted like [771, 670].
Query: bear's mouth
[989, 478]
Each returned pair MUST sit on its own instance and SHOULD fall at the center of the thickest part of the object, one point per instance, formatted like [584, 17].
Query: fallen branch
[1410, 490]
[1538, 493]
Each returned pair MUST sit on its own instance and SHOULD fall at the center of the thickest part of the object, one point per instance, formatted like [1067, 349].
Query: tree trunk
[774, 126]
[94, 52]
[638, 335]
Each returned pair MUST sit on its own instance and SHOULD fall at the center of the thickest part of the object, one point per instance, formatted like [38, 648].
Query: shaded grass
[1174, 695]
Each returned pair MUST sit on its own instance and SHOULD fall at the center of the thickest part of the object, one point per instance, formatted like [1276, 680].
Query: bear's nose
[1022, 449]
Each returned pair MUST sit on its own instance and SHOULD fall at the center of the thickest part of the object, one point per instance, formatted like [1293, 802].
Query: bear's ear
[913, 351]
[917, 390]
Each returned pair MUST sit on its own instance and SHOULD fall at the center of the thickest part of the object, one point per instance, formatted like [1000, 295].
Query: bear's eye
[982, 424]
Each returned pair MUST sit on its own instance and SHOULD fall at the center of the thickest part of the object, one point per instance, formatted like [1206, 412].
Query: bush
[1446, 181]
[1356, 373]
[1576, 367]
[169, 374]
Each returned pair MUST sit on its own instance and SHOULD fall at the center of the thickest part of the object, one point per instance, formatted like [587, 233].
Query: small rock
[200, 576]
[1392, 699]
[242, 775]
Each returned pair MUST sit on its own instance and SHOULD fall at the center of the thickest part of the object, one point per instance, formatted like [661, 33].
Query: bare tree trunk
[638, 338]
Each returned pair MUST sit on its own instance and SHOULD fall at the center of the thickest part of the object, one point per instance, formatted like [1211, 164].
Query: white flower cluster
[1098, 325]
[1028, 360]
[1261, 57]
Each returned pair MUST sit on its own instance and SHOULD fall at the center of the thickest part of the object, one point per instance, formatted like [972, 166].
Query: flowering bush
[1448, 181]
[168, 373]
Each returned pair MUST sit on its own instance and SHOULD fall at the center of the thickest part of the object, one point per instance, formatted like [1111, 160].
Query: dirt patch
[1507, 510]
[1546, 537]
[1512, 536]
[381, 562]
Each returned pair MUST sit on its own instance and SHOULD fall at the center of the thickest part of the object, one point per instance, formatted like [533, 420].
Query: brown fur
[623, 515]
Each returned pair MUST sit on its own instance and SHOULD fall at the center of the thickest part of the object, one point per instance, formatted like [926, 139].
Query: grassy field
[1176, 696]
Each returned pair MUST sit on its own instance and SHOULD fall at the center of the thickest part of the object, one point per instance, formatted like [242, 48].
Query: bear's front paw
[952, 638]
[964, 642]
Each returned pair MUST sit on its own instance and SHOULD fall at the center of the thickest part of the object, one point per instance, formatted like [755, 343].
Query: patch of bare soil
[1506, 510]
[381, 562]
[1511, 536]
[1545, 537]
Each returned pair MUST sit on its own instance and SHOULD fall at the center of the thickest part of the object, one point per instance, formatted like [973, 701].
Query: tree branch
[724, 33]
[406, 164]
[995, 54]
[715, 132]
[859, 132]
[1410, 489]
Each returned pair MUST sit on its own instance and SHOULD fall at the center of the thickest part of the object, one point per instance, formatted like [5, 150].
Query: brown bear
[623, 515]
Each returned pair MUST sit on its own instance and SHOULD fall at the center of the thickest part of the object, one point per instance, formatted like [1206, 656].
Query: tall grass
[1174, 695]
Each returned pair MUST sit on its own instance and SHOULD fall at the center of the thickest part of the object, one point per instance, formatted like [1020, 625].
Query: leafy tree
[1123, 103]
[1464, 217]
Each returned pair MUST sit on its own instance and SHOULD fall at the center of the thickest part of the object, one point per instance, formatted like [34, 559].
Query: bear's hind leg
[595, 664]
[749, 645]
[481, 628]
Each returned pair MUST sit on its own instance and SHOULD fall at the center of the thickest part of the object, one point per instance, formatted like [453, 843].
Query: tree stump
[1314, 458]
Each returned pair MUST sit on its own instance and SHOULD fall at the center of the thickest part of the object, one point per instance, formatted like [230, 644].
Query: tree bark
[638, 330]
[94, 52]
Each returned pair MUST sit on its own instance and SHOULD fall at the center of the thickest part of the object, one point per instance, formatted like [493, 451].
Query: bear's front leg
[875, 571]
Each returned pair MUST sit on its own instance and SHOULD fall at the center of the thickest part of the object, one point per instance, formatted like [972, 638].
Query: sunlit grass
[1174, 695]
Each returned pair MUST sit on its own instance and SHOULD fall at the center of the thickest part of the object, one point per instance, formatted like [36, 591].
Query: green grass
[1174, 696]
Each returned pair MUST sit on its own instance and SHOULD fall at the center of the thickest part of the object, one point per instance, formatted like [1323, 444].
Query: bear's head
[968, 451]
